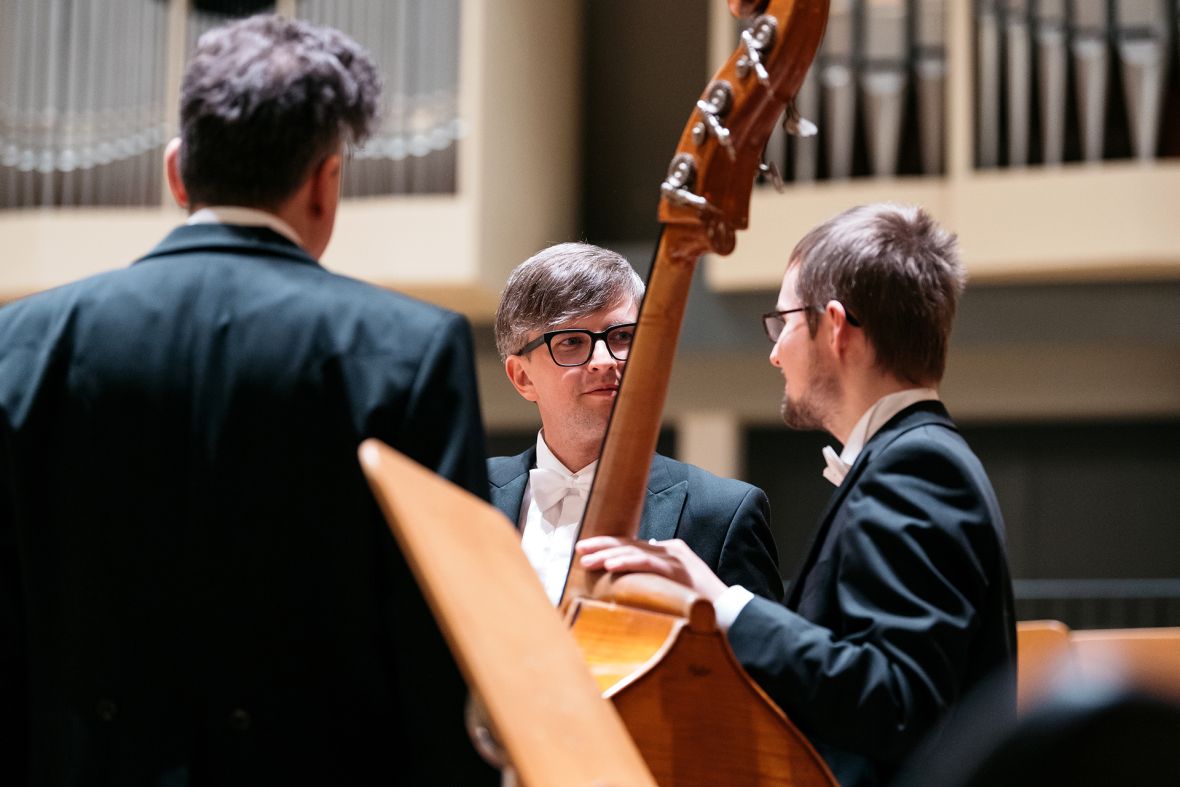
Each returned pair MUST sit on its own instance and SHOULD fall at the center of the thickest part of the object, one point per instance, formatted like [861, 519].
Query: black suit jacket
[724, 521]
[196, 586]
[903, 603]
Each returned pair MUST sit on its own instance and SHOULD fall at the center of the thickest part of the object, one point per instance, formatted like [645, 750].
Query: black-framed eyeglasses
[575, 346]
[774, 322]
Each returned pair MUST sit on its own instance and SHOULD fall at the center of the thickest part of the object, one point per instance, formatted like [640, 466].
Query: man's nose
[600, 355]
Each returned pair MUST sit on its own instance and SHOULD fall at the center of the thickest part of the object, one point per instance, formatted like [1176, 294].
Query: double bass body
[654, 648]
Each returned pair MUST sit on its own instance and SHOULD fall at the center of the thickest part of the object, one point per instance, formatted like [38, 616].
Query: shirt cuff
[730, 604]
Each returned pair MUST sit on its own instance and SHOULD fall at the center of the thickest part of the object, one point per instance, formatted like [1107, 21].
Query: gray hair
[558, 285]
[897, 272]
[263, 101]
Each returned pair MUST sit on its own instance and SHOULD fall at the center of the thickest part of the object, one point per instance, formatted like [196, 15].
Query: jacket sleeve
[879, 648]
[748, 556]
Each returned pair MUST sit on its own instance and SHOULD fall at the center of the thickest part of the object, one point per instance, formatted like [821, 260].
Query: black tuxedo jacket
[902, 605]
[724, 521]
[196, 585]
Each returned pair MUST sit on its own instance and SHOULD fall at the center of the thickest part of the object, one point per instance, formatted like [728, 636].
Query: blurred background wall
[1044, 132]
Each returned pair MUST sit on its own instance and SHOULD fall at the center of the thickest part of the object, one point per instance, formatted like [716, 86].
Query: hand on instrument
[672, 559]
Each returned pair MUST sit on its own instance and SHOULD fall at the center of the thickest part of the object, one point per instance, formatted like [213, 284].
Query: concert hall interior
[1045, 134]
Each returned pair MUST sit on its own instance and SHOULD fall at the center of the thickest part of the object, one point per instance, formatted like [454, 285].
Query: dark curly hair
[264, 100]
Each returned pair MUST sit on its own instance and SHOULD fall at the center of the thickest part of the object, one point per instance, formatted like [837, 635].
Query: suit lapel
[664, 504]
[662, 509]
[507, 478]
[913, 416]
[825, 524]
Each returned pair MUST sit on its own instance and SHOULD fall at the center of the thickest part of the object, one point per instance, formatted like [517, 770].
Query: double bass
[680, 707]
[653, 646]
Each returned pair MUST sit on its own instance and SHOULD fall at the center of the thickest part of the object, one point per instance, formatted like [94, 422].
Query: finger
[597, 543]
[628, 559]
[600, 556]
[638, 562]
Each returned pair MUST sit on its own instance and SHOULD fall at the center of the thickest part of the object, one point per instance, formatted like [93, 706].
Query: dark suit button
[106, 710]
[239, 719]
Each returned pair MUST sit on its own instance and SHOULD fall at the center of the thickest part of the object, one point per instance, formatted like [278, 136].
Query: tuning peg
[716, 103]
[770, 170]
[797, 125]
[677, 186]
[758, 39]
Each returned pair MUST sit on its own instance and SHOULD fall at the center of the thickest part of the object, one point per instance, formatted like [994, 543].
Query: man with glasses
[903, 603]
[563, 329]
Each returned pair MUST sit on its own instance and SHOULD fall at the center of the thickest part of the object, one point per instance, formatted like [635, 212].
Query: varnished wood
[1049, 653]
[696, 716]
[692, 710]
[635, 420]
[744, 9]
[1146, 657]
[1042, 650]
[726, 184]
[619, 641]
[688, 233]
[546, 710]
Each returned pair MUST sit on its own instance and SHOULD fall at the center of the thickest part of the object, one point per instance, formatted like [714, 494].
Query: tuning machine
[714, 106]
[677, 186]
[769, 170]
[797, 125]
[758, 39]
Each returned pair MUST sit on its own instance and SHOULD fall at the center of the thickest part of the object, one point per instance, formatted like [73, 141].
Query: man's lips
[603, 390]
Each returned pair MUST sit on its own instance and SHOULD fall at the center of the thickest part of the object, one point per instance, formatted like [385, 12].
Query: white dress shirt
[730, 603]
[245, 217]
[548, 536]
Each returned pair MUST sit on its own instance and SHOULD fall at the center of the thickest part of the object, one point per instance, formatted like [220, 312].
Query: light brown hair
[558, 285]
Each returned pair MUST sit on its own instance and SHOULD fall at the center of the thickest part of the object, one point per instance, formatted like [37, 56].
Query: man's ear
[843, 332]
[518, 375]
[325, 186]
[172, 173]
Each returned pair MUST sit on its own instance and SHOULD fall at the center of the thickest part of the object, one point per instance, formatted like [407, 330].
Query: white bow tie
[550, 487]
[837, 468]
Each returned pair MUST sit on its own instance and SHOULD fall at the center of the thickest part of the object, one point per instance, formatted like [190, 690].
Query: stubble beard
[812, 410]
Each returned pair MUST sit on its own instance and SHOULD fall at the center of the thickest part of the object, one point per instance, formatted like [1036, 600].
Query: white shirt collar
[871, 421]
[245, 217]
[879, 414]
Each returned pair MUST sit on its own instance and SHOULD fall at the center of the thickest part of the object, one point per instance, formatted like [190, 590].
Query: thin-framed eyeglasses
[575, 346]
[774, 322]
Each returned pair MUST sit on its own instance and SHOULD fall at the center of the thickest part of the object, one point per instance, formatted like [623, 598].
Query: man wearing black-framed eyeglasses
[903, 604]
[575, 346]
[564, 329]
